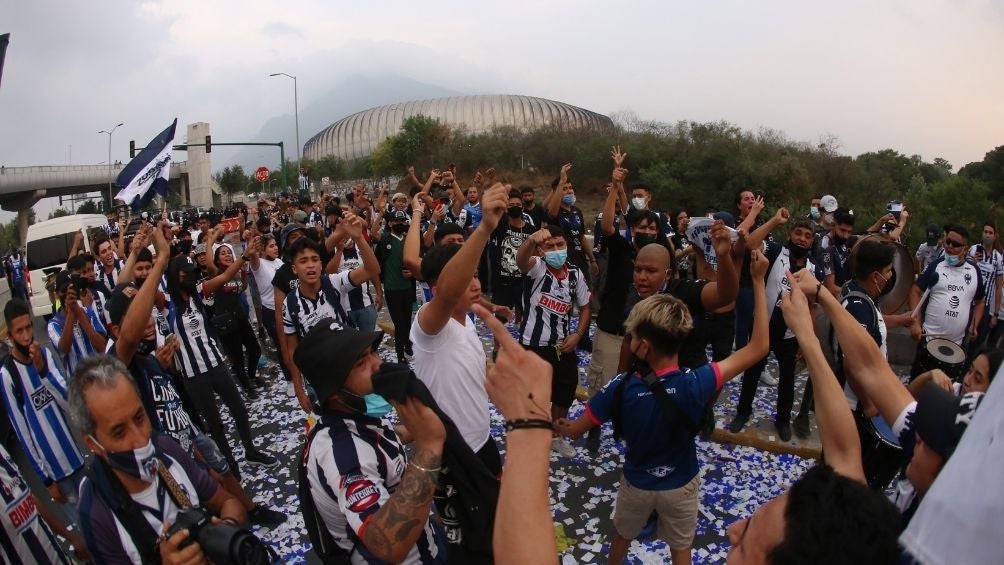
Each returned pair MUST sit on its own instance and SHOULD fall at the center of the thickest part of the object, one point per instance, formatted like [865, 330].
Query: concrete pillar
[22, 225]
[200, 174]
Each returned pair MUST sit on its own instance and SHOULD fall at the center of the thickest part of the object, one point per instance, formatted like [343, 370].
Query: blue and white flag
[146, 175]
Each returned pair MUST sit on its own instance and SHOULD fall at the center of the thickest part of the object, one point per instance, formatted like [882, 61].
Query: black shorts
[508, 294]
[566, 374]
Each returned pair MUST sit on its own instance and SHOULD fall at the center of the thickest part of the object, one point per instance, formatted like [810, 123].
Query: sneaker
[409, 351]
[783, 430]
[738, 423]
[801, 426]
[561, 446]
[262, 515]
[290, 390]
[261, 458]
[768, 379]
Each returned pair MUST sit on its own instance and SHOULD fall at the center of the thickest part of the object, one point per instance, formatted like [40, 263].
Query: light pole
[111, 199]
[296, 113]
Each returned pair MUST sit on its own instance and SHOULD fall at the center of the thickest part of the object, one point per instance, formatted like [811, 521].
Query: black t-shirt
[692, 352]
[227, 299]
[620, 274]
[284, 280]
[574, 224]
[506, 241]
[536, 214]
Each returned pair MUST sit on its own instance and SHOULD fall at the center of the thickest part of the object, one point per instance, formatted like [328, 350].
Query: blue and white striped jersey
[361, 296]
[81, 345]
[354, 465]
[36, 404]
[24, 538]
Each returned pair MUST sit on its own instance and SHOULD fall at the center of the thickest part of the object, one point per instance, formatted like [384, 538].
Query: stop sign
[261, 175]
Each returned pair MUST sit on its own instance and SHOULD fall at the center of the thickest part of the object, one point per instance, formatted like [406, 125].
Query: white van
[48, 248]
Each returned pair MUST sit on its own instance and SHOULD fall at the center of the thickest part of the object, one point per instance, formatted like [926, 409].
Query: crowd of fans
[159, 330]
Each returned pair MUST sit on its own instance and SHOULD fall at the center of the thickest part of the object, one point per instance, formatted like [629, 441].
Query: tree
[990, 170]
[231, 180]
[59, 213]
[88, 207]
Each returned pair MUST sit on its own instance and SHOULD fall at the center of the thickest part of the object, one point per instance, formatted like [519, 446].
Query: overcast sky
[921, 77]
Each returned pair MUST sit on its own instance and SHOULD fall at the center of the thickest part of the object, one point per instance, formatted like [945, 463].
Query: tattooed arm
[393, 530]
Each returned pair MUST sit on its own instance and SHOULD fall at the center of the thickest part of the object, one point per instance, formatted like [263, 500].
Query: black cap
[933, 231]
[286, 230]
[726, 218]
[941, 417]
[63, 280]
[325, 355]
[118, 302]
[447, 228]
[182, 263]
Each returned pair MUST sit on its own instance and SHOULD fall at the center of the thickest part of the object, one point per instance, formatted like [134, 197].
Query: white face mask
[639, 203]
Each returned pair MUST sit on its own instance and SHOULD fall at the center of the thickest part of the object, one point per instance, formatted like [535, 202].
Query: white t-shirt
[453, 365]
[263, 278]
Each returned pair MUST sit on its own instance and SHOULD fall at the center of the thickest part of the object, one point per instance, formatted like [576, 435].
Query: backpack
[671, 410]
[330, 295]
[325, 547]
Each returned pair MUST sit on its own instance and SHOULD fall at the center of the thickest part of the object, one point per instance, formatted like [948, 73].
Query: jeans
[268, 320]
[70, 487]
[211, 453]
[364, 318]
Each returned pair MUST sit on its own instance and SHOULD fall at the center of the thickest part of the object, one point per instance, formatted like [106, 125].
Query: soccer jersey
[362, 295]
[954, 291]
[777, 279]
[300, 312]
[199, 350]
[548, 298]
[991, 267]
[110, 279]
[927, 254]
[24, 538]
[354, 465]
[36, 405]
[657, 457]
[81, 345]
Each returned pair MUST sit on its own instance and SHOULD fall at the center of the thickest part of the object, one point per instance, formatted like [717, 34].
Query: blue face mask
[953, 260]
[555, 259]
[568, 199]
[814, 212]
[376, 405]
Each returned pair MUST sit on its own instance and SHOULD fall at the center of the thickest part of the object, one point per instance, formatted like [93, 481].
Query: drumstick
[920, 304]
[925, 334]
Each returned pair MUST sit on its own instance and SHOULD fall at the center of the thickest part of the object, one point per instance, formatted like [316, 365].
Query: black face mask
[82, 283]
[796, 252]
[515, 212]
[146, 346]
[188, 281]
[643, 239]
[399, 229]
[24, 350]
[837, 240]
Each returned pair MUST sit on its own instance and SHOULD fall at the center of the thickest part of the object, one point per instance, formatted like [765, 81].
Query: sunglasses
[953, 244]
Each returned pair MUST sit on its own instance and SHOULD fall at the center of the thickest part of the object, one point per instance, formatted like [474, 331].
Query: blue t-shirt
[473, 215]
[657, 458]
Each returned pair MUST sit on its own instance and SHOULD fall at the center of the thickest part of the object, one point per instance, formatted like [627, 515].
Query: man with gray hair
[139, 481]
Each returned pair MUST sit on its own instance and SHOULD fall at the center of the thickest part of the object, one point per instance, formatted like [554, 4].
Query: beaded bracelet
[526, 423]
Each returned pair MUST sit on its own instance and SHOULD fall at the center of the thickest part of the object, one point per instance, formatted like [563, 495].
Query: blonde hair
[662, 319]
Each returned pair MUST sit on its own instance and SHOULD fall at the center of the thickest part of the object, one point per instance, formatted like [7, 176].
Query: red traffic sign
[261, 174]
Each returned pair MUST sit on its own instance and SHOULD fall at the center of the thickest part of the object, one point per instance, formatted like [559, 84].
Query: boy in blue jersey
[661, 468]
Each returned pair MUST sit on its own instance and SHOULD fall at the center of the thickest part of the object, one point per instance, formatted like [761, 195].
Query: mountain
[352, 95]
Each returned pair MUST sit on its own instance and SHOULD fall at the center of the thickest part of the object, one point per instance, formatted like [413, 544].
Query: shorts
[566, 374]
[508, 294]
[677, 510]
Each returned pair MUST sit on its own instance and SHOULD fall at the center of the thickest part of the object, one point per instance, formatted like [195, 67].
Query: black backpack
[671, 411]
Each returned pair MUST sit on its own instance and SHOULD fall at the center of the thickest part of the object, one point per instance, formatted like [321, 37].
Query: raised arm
[370, 267]
[455, 279]
[412, 254]
[528, 249]
[837, 431]
[138, 315]
[759, 343]
[723, 291]
[755, 239]
[553, 202]
[212, 285]
[747, 224]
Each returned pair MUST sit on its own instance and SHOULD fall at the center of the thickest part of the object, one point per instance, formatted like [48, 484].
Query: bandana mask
[141, 463]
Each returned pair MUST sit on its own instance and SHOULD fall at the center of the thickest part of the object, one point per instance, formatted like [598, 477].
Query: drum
[897, 291]
[881, 454]
[939, 353]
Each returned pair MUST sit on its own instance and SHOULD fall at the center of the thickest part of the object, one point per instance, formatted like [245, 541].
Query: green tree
[88, 207]
[59, 213]
[232, 180]
[990, 170]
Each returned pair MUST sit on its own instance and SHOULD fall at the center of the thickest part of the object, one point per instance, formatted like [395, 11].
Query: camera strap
[177, 493]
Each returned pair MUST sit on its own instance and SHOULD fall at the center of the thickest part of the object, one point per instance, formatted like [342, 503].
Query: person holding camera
[139, 481]
[75, 330]
[371, 499]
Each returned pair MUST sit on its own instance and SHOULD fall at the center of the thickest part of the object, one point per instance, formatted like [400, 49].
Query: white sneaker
[561, 446]
[768, 379]
[290, 391]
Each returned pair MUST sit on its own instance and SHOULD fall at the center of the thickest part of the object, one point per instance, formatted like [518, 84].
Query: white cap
[828, 203]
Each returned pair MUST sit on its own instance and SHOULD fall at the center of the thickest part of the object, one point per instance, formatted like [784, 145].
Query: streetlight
[296, 112]
[111, 199]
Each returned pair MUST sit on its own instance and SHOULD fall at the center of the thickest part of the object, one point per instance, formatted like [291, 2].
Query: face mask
[814, 212]
[188, 281]
[953, 260]
[141, 463]
[797, 252]
[146, 346]
[399, 228]
[24, 350]
[376, 405]
[639, 203]
[643, 239]
[555, 259]
[528, 203]
[568, 199]
[987, 242]
[515, 212]
[932, 241]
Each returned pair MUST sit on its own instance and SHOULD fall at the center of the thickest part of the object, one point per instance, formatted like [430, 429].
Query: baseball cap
[398, 195]
[327, 353]
[933, 231]
[726, 218]
[399, 216]
[299, 216]
[941, 417]
[200, 248]
[286, 231]
[63, 280]
[447, 228]
[182, 263]
[118, 303]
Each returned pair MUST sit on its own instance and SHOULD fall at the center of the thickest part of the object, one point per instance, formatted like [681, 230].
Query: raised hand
[721, 239]
[617, 156]
[494, 203]
[540, 236]
[36, 356]
[417, 204]
[353, 226]
[479, 179]
[563, 176]
[757, 207]
[758, 264]
[782, 215]
[795, 308]
[490, 176]
[619, 175]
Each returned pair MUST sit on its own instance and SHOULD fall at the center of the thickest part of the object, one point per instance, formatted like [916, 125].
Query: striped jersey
[199, 350]
[81, 345]
[361, 296]
[24, 538]
[548, 300]
[109, 279]
[100, 303]
[354, 464]
[991, 267]
[36, 404]
[300, 312]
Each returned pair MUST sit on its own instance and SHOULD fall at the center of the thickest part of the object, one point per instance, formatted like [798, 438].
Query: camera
[222, 543]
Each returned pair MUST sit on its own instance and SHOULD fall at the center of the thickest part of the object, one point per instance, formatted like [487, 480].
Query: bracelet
[527, 424]
[230, 520]
[421, 468]
[819, 286]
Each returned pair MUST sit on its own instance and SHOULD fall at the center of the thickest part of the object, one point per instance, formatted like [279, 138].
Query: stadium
[358, 135]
